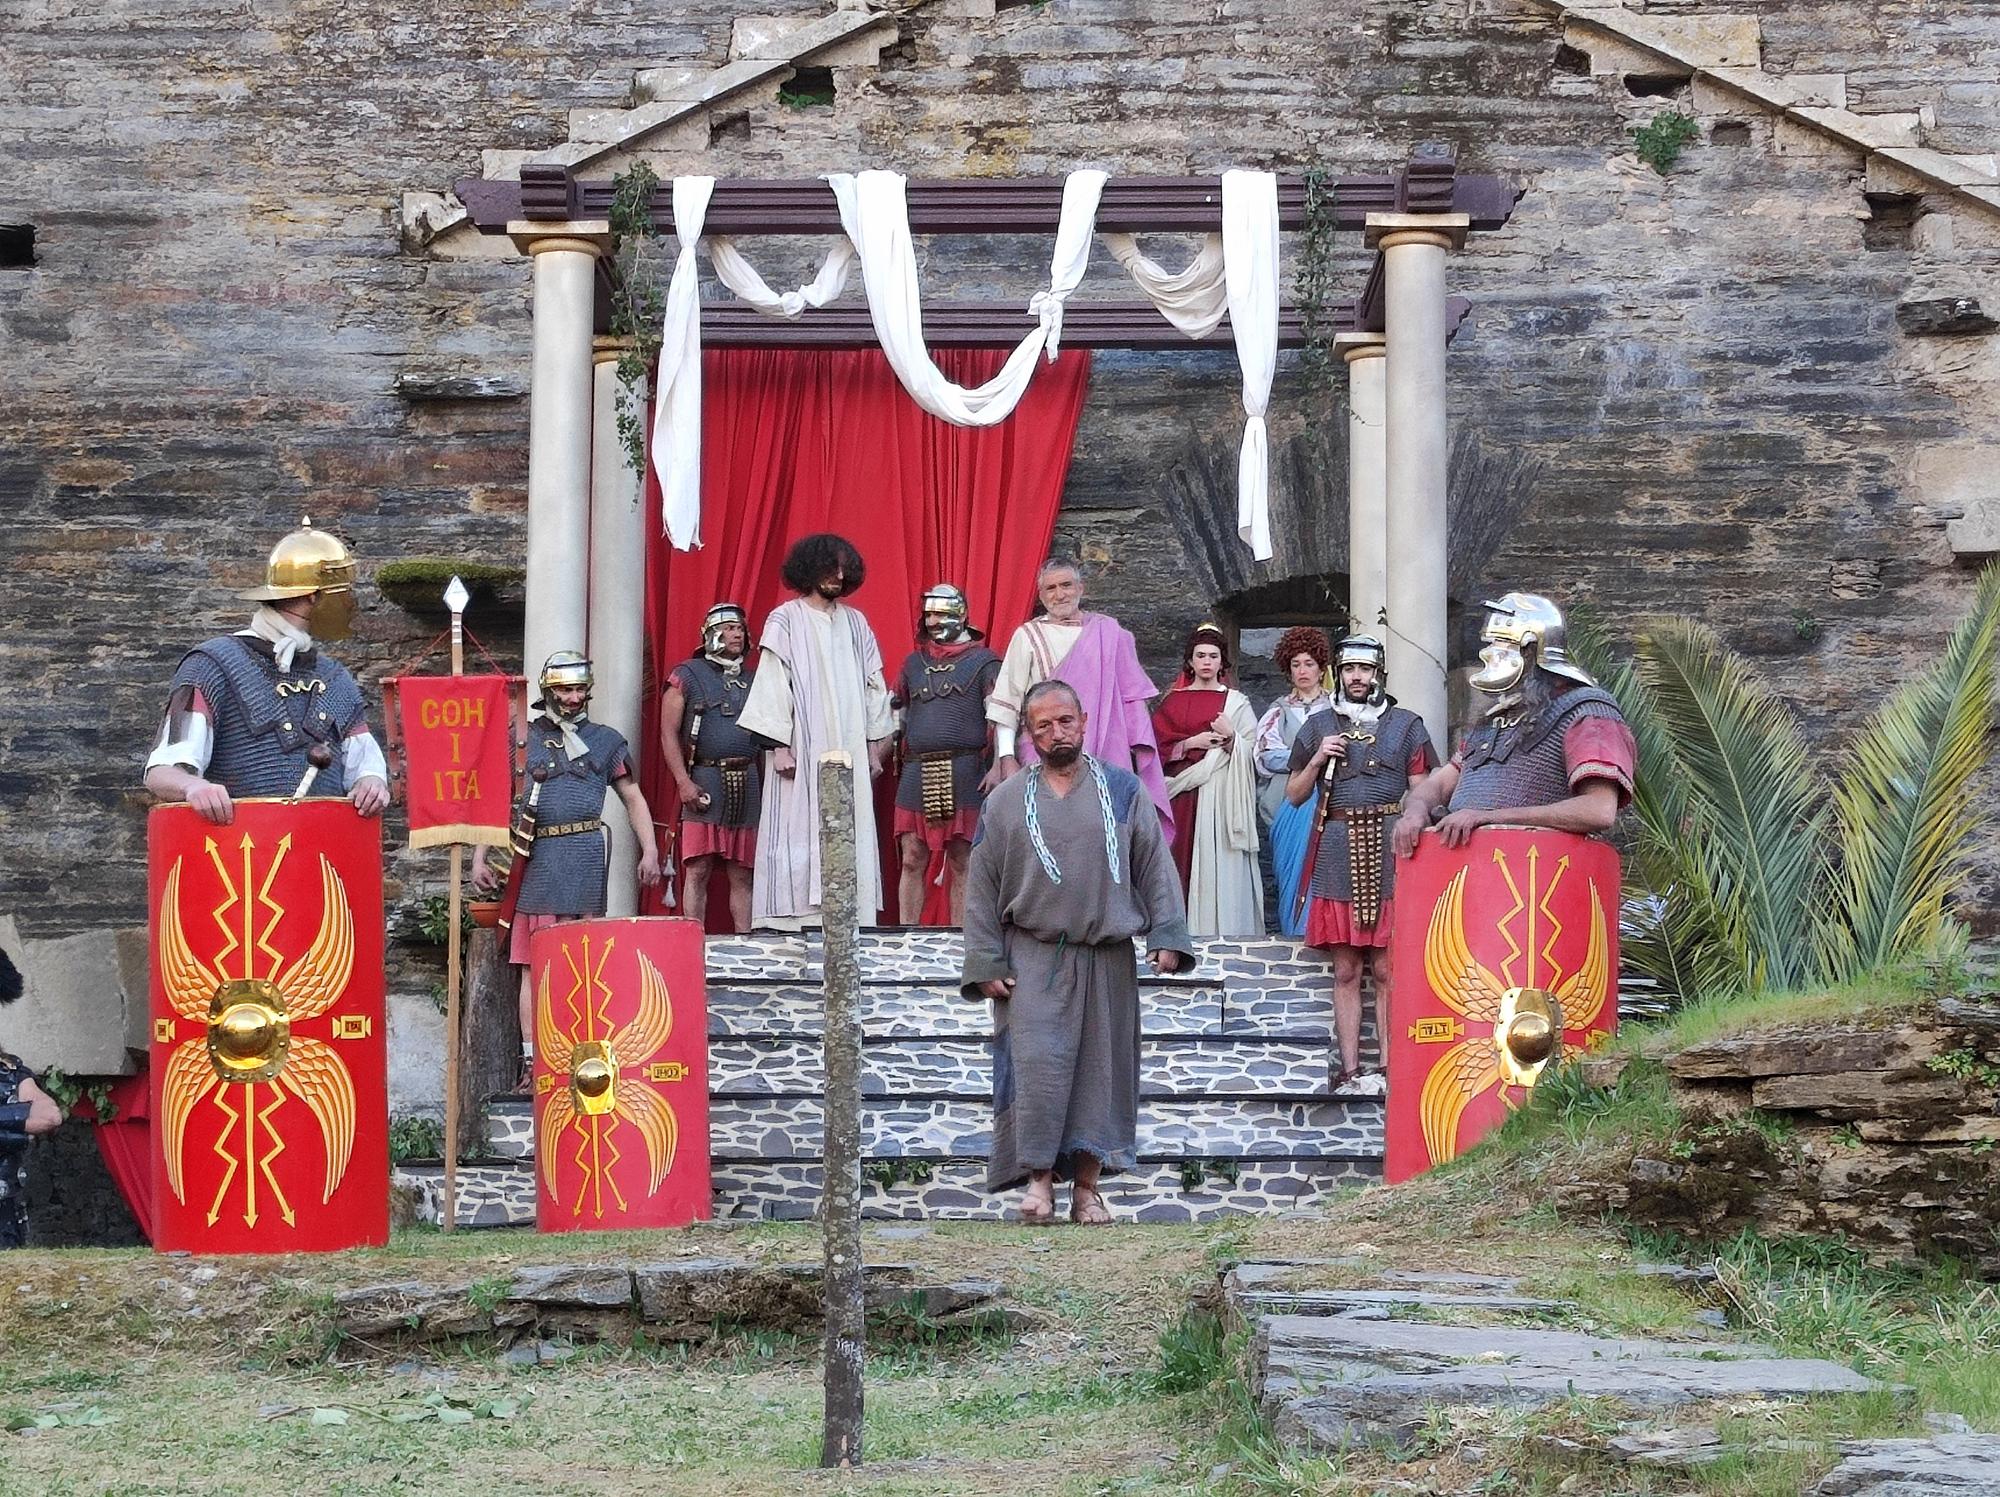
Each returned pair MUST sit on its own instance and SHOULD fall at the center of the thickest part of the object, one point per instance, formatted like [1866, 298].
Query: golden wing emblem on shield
[1582, 994]
[595, 1087]
[1469, 988]
[248, 1040]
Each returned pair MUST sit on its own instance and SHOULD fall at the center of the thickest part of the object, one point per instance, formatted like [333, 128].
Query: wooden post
[455, 598]
[840, 1201]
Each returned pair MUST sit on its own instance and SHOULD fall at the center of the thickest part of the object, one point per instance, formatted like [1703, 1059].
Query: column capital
[586, 236]
[1445, 230]
[1354, 347]
[605, 349]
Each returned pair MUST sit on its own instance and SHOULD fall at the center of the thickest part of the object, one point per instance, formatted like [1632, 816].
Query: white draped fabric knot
[875, 213]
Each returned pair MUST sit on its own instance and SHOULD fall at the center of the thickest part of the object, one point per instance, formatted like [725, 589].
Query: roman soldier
[1552, 749]
[714, 762]
[26, 1113]
[256, 712]
[562, 851]
[1356, 762]
[942, 691]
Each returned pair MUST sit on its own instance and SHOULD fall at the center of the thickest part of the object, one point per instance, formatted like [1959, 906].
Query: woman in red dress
[1215, 847]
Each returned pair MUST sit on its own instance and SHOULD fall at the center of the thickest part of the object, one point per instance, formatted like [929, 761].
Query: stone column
[1367, 497]
[559, 421]
[1416, 452]
[617, 604]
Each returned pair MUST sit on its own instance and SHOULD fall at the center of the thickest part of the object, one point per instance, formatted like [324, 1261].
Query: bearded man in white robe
[818, 688]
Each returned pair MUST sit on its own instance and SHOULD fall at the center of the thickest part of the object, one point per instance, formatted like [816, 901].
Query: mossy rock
[418, 583]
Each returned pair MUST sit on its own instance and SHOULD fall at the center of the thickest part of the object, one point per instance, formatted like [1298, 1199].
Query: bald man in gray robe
[1068, 868]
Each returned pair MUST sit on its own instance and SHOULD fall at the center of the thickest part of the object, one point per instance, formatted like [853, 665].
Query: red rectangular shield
[1485, 934]
[621, 1074]
[269, 1066]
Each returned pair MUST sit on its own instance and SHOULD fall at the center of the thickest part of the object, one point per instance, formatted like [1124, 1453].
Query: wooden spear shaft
[840, 1201]
[454, 956]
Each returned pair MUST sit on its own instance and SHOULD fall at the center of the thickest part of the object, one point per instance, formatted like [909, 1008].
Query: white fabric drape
[1193, 299]
[677, 404]
[1236, 271]
[740, 276]
[1250, 263]
[875, 213]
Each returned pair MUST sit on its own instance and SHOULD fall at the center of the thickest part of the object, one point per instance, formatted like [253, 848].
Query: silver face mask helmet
[942, 616]
[713, 623]
[564, 668]
[1364, 649]
[1513, 625]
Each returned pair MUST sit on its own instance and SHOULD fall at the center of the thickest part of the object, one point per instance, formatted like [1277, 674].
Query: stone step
[1291, 1005]
[499, 1195]
[935, 954]
[1327, 1381]
[1169, 1130]
[1174, 1067]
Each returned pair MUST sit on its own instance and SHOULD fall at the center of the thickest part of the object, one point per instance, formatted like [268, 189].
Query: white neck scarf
[573, 744]
[286, 638]
[1361, 714]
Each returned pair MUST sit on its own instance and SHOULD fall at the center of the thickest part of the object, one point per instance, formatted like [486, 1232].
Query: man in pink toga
[1094, 654]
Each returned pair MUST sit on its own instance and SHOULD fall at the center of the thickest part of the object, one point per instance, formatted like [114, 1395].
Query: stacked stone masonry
[1682, 392]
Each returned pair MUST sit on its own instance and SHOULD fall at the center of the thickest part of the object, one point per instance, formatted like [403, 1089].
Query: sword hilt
[318, 757]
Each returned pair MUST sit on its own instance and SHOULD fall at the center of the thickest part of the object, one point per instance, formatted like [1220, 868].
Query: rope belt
[569, 828]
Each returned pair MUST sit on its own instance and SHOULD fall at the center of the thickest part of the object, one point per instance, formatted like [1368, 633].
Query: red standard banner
[269, 1068]
[1504, 960]
[458, 750]
[621, 1074]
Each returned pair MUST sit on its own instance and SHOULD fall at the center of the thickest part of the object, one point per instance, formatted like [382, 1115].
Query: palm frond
[1734, 779]
[1903, 818]
[1684, 928]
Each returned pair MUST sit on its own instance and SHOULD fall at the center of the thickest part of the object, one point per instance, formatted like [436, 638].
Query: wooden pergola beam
[979, 205]
[1121, 324]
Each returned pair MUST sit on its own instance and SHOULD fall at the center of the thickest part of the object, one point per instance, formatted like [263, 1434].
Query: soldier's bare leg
[916, 856]
[527, 1027]
[739, 896]
[694, 886]
[1378, 967]
[958, 858]
[1347, 1006]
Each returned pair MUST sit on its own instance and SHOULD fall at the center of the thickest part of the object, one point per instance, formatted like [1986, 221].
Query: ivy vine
[638, 301]
[1314, 283]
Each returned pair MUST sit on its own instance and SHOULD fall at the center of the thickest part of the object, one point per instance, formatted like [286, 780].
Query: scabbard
[1320, 809]
[524, 847]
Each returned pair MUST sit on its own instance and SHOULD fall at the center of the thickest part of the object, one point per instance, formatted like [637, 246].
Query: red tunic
[1182, 713]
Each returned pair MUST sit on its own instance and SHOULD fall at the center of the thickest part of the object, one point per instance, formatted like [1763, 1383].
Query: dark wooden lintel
[1134, 325]
[995, 205]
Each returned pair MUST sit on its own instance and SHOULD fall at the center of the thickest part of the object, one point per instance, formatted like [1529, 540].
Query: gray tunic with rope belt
[1054, 899]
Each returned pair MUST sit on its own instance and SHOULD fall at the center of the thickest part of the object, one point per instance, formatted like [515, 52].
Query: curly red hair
[1304, 640]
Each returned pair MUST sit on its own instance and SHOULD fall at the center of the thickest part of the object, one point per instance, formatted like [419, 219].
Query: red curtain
[126, 1143]
[800, 440]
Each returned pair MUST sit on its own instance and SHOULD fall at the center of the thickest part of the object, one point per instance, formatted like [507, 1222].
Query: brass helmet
[946, 599]
[306, 561]
[1512, 624]
[715, 618]
[564, 668]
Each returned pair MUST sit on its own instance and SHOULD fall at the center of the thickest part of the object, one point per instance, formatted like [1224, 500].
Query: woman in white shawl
[1207, 736]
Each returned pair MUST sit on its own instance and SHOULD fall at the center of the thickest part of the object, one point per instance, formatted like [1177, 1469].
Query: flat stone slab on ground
[1334, 1381]
[1337, 1301]
[1942, 1466]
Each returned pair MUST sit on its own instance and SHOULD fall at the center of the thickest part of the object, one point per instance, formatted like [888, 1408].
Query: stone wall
[1881, 1134]
[1682, 392]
